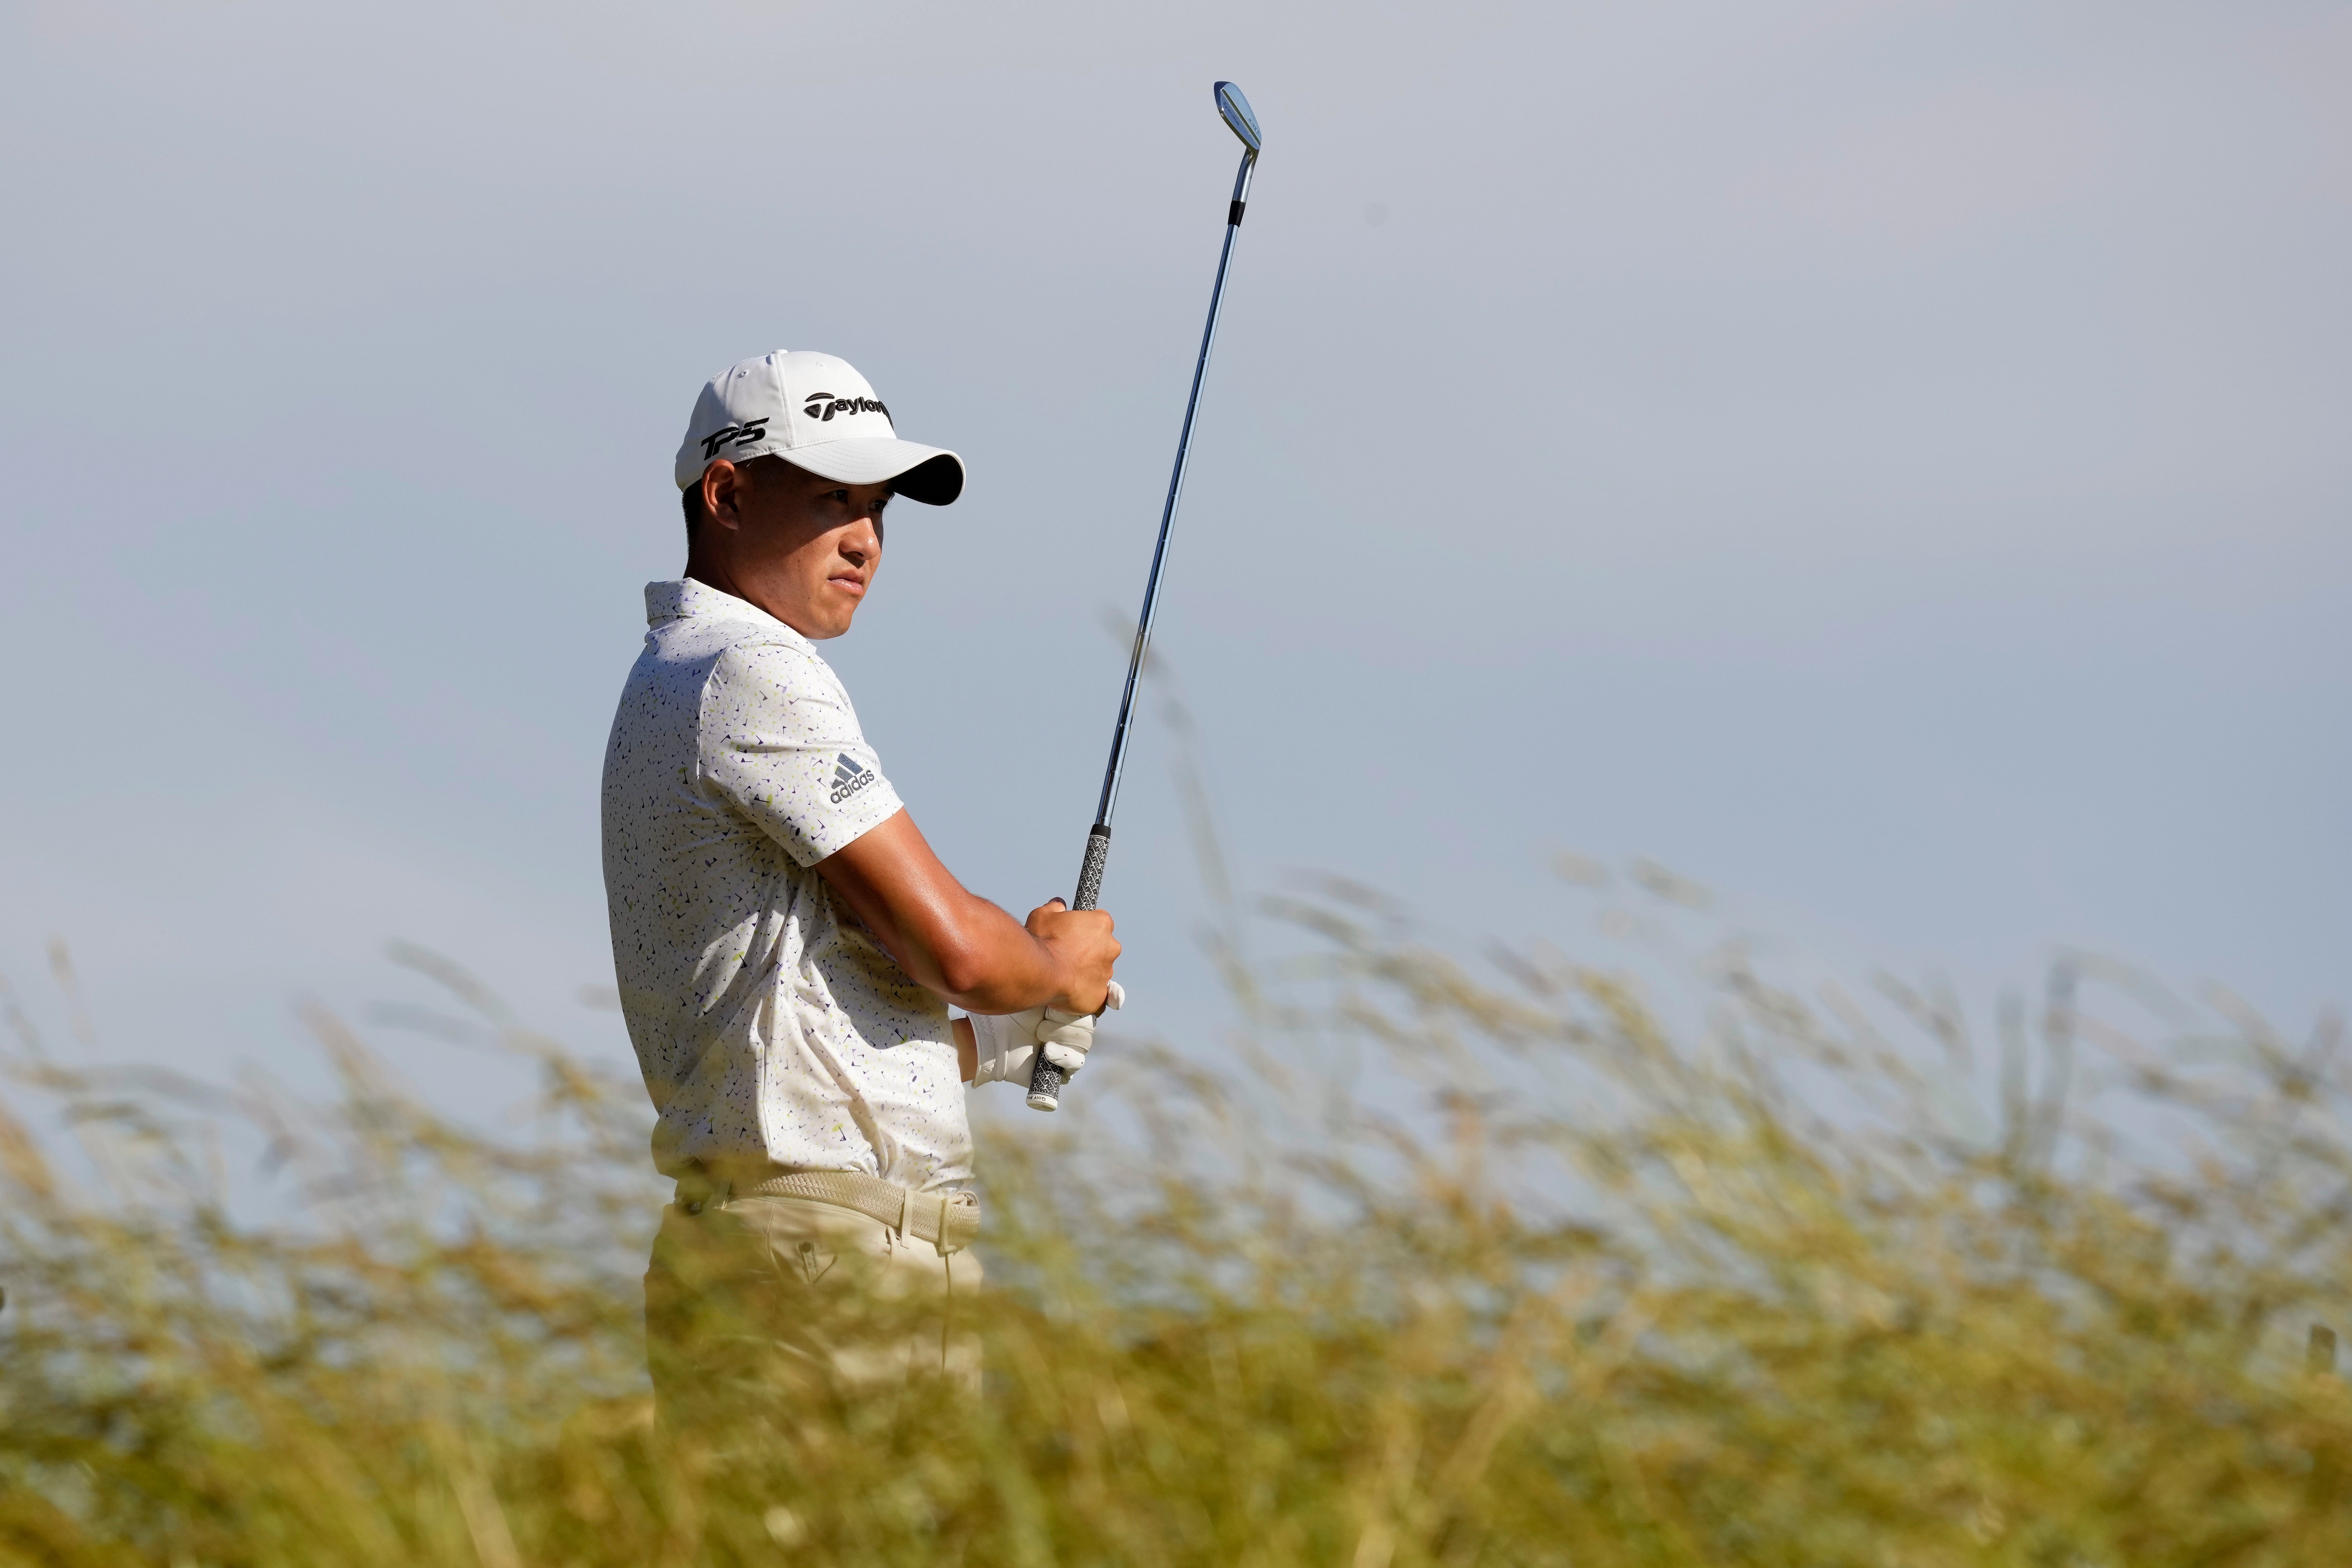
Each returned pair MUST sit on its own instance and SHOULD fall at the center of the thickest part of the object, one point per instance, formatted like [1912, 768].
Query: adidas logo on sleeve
[848, 778]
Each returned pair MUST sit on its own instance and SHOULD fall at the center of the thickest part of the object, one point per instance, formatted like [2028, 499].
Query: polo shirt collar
[684, 598]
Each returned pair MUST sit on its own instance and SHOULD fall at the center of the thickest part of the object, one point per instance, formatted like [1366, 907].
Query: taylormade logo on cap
[816, 413]
[825, 405]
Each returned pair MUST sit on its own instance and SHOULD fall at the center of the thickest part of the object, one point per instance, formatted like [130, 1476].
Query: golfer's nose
[863, 539]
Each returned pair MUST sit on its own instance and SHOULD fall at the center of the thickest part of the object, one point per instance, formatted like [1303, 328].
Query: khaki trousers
[757, 1305]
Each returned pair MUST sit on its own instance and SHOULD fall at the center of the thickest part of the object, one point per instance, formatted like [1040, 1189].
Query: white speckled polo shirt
[769, 1025]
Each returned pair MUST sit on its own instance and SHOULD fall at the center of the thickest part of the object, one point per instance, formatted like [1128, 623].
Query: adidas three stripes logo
[848, 778]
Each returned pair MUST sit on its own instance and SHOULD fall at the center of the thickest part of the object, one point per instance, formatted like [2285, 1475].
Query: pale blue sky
[1886, 460]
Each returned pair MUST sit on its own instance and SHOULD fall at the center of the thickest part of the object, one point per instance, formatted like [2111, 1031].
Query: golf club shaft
[1045, 1079]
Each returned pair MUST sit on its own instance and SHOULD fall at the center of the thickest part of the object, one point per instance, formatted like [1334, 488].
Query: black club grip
[1045, 1079]
[1090, 873]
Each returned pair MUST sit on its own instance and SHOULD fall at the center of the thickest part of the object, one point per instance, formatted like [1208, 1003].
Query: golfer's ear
[722, 487]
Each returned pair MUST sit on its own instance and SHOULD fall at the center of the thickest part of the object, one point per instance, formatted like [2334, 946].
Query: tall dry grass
[1472, 1270]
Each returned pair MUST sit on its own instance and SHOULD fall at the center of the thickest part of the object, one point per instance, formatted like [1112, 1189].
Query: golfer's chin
[834, 609]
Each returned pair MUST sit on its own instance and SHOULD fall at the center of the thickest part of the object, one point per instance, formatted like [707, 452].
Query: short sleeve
[780, 741]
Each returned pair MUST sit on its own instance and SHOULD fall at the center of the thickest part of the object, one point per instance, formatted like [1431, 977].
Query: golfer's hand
[1005, 1046]
[1084, 951]
[1066, 1037]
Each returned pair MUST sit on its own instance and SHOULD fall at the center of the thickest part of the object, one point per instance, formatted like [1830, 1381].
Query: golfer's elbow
[963, 975]
[969, 965]
[990, 979]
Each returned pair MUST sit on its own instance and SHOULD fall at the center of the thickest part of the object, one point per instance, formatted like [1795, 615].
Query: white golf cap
[816, 413]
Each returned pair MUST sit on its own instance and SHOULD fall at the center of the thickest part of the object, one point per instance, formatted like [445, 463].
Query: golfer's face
[825, 541]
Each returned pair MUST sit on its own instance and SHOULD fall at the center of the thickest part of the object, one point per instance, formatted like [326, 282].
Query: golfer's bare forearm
[949, 941]
[967, 1047]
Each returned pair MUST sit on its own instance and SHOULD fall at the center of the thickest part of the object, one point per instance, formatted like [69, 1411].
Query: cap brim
[931, 475]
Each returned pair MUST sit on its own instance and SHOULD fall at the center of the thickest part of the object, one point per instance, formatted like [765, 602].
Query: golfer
[787, 944]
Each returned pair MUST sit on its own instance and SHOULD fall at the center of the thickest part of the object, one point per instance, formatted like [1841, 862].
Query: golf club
[1046, 1081]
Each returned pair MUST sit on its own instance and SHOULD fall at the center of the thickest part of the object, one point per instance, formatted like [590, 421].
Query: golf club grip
[1045, 1079]
[1090, 871]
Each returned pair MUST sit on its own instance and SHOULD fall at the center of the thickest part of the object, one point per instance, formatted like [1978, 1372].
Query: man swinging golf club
[786, 941]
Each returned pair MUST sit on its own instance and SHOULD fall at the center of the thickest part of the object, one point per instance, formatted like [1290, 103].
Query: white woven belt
[949, 1221]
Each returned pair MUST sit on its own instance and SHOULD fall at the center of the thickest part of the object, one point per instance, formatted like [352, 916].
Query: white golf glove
[1008, 1043]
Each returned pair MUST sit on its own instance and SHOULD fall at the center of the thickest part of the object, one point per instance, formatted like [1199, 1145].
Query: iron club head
[1236, 111]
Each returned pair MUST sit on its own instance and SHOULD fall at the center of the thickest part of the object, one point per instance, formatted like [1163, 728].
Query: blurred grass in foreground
[1613, 1298]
